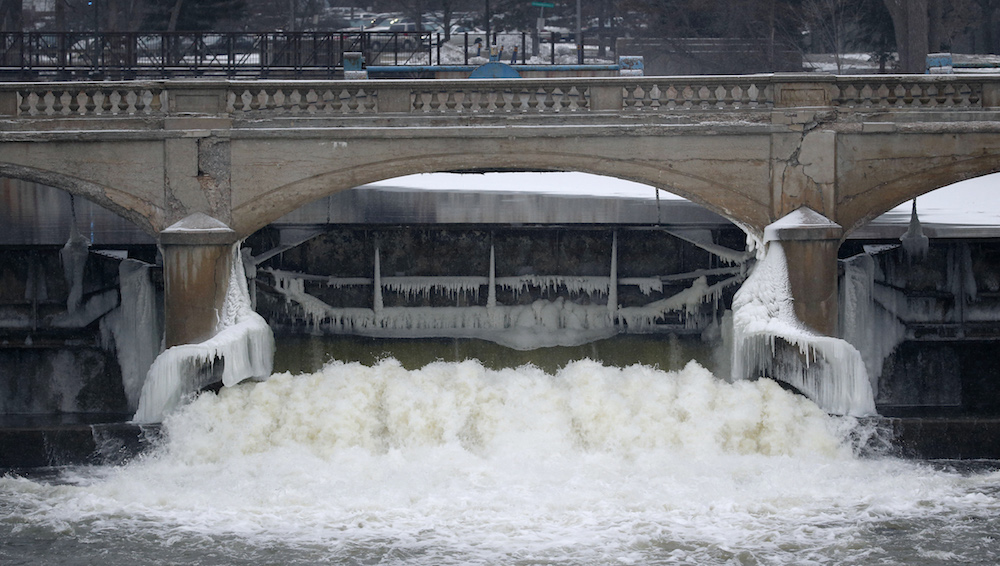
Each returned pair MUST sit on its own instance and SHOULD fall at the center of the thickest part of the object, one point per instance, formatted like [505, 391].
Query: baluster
[255, 100]
[352, 101]
[238, 103]
[548, 100]
[106, 100]
[628, 96]
[533, 100]
[565, 99]
[90, 103]
[451, 103]
[583, 100]
[140, 101]
[505, 100]
[157, 102]
[338, 104]
[944, 96]
[57, 105]
[484, 100]
[711, 98]
[74, 102]
[467, 100]
[289, 94]
[24, 108]
[435, 100]
[370, 102]
[972, 94]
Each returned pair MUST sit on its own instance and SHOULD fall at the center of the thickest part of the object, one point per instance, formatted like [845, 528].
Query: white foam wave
[456, 464]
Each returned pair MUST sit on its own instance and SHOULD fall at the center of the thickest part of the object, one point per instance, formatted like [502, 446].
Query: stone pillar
[197, 262]
[810, 241]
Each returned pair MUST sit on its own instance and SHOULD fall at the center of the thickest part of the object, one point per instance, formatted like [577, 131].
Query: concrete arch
[740, 205]
[876, 200]
[147, 216]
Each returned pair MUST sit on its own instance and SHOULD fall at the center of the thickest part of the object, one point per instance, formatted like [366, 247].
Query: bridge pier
[197, 261]
[810, 242]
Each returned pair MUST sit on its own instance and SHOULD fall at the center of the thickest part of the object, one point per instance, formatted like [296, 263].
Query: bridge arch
[147, 216]
[737, 205]
[876, 200]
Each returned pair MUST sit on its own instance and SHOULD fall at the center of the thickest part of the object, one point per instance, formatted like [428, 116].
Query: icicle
[491, 298]
[613, 279]
[915, 243]
[74, 261]
[377, 299]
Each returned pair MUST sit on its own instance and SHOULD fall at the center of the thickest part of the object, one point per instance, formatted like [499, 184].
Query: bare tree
[834, 26]
[11, 15]
[911, 22]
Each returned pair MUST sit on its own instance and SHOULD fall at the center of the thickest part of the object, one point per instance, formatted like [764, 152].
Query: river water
[454, 463]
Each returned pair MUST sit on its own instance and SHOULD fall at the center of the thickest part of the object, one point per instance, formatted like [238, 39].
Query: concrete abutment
[197, 262]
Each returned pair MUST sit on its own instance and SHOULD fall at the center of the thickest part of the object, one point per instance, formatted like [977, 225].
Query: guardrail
[499, 96]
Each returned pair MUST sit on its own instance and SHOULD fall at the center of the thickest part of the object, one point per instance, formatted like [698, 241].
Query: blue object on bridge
[940, 64]
[495, 70]
[631, 65]
[353, 61]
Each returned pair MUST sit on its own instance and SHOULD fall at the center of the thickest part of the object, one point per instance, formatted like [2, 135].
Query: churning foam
[455, 464]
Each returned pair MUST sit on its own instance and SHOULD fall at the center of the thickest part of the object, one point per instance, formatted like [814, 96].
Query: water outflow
[457, 464]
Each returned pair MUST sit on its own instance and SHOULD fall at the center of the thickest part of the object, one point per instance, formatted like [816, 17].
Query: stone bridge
[752, 148]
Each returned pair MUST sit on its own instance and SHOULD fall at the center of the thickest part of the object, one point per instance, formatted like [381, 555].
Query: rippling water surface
[454, 463]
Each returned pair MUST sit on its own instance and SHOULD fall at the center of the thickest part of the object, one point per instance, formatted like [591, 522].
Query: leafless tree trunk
[911, 22]
[175, 14]
[446, 12]
[935, 27]
[11, 15]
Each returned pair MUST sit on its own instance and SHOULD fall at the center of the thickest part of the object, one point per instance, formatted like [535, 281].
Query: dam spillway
[436, 254]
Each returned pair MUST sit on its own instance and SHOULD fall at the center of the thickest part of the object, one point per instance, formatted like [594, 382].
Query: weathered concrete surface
[752, 149]
[848, 148]
[197, 262]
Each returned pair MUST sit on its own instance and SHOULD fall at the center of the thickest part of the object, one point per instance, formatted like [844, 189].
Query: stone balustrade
[653, 95]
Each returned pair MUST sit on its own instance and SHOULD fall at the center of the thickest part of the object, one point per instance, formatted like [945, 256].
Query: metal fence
[57, 56]
[33, 56]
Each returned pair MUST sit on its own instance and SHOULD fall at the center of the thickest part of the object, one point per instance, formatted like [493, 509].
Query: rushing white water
[457, 464]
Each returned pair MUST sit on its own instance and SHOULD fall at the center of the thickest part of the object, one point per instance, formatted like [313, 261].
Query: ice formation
[134, 327]
[915, 243]
[864, 322]
[243, 343]
[74, 261]
[542, 323]
[828, 370]
[453, 287]
[687, 301]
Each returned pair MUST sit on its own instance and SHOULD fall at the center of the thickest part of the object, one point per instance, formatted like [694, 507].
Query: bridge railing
[649, 95]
